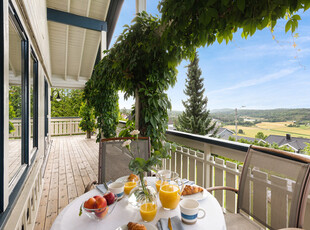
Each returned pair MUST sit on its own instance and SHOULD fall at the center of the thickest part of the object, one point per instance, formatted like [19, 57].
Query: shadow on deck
[71, 165]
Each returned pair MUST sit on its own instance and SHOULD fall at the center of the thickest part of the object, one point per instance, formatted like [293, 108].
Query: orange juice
[158, 184]
[128, 186]
[148, 211]
[169, 196]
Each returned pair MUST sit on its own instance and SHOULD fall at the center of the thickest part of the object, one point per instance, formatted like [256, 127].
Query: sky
[258, 72]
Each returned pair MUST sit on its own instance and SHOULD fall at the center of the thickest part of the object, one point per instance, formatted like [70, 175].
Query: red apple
[100, 213]
[101, 202]
[90, 203]
[110, 197]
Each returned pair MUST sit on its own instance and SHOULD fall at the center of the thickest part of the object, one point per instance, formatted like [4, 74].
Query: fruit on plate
[110, 197]
[100, 213]
[89, 204]
[133, 177]
[101, 202]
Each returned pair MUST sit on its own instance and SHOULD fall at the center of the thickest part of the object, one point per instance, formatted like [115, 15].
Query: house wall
[20, 198]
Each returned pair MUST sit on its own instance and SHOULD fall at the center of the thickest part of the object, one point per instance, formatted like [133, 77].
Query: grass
[273, 128]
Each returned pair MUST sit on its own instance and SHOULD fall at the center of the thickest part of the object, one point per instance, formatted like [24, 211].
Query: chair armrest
[222, 188]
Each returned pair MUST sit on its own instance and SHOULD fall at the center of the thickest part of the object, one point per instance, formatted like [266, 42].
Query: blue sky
[258, 72]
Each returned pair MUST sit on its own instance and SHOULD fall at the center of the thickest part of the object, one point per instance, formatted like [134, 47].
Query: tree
[240, 131]
[70, 103]
[88, 122]
[260, 135]
[195, 118]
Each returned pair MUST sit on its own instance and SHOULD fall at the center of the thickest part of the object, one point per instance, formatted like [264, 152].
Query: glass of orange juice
[148, 209]
[129, 186]
[171, 187]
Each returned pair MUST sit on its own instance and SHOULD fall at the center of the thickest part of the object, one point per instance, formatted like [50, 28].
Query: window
[33, 77]
[16, 84]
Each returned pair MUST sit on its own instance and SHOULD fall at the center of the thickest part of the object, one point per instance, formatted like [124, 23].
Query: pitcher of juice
[171, 188]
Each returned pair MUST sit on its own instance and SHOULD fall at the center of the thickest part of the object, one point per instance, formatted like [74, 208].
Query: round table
[123, 213]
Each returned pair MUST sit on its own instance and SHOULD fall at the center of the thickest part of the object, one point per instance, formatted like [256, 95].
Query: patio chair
[273, 191]
[114, 159]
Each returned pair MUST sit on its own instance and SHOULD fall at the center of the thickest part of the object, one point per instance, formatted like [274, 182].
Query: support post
[140, 6]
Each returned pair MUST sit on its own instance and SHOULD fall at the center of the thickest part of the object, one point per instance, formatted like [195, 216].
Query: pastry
[189, 190]
[133, 177]
[135, 226]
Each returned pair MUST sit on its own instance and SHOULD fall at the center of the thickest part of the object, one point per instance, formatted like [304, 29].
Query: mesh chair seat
[273, 189]
[114, 159]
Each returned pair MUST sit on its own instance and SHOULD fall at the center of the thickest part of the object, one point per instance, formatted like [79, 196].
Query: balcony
[73, 163]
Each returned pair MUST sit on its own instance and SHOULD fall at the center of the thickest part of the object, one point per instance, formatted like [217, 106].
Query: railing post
[208, 169]
[70, 127]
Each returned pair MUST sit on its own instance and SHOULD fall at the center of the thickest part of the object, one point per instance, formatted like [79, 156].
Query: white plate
[197, 196]
[147, 225]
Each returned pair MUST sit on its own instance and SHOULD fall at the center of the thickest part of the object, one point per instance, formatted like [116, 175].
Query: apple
[90, 203]
[110, 197]
[101, 202]
[97, 197]
[101, 212]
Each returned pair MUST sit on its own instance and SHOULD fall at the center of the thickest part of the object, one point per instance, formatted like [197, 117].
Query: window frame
[35, 119]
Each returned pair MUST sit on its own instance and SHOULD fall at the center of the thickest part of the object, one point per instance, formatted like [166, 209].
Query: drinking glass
[148, 208]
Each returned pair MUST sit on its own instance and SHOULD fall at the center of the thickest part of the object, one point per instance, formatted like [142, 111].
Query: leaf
[220, 39]
[296, 17]
[241, 5]
[225, 2]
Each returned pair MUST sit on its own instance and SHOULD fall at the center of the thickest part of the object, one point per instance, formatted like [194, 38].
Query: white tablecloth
[123, 213]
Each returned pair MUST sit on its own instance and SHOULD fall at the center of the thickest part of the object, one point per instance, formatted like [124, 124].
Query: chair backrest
[273, 187]
[114, 159]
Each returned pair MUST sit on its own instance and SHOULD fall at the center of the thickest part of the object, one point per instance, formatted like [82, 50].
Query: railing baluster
[231, 181]
[260, 194]
[192, 165]
[200, 169]
[219, 179]
[185, 163]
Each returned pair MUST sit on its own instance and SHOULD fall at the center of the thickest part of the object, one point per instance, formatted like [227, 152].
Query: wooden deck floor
[72, 164]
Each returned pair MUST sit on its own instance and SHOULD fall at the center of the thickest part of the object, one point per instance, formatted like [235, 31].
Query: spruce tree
[195, 118]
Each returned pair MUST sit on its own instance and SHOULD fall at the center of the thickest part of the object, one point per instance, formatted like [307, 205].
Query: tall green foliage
[195, 118]
[138, 60]
[88, 121]
[69, 105]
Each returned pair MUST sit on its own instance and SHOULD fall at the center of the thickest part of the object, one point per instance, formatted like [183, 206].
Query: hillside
[300, 116]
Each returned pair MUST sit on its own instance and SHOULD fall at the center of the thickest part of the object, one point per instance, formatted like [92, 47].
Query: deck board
[72, 163]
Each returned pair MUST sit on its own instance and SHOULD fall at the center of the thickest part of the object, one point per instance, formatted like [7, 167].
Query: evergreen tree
[195, 118]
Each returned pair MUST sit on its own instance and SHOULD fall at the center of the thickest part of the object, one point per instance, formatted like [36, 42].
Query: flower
[134, 132]
[126, 143]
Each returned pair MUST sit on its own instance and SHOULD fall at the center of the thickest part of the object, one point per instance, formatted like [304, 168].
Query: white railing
[65, 126]
[202, 162]
[58, 127]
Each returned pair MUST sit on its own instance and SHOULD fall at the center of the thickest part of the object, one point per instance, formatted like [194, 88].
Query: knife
[169, 224]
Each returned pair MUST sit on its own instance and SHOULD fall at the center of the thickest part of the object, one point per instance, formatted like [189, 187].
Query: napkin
[162, 224]
[101, 187]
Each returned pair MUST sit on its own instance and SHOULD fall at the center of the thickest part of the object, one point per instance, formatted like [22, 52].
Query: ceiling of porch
[74, 44]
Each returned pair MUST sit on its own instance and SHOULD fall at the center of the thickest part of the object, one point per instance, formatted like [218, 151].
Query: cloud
[257, 80]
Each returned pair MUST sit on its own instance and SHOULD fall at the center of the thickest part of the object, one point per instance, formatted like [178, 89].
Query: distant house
[296, 143]
[224, 133]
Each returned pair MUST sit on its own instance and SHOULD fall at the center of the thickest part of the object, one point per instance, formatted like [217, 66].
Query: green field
[273, 128]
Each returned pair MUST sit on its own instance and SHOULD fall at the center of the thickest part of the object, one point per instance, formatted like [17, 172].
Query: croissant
[189, 190]
[135, 226]
[133, 177]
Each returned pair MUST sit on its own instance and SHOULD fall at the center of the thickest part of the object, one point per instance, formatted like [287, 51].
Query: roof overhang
[76, 30]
